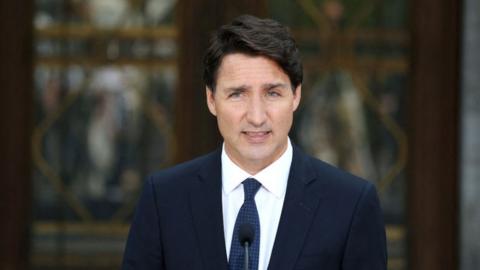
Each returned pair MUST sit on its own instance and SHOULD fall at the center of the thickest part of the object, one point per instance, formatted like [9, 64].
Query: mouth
[256, 136]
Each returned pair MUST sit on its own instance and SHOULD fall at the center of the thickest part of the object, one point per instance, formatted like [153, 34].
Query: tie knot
[250, 188]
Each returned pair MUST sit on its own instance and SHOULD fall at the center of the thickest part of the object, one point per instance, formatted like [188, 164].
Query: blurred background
[97, 94]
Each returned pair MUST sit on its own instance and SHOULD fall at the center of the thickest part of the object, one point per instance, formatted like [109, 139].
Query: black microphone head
[246, 233]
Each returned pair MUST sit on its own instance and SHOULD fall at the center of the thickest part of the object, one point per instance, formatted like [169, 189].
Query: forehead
[239, 68]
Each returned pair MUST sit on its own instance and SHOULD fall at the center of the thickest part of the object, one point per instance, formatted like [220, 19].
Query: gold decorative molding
[86, 31]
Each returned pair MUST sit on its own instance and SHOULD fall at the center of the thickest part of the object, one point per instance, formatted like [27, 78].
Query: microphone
[246, 234]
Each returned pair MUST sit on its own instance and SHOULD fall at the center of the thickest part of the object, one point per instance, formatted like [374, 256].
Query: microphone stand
[246, 234]
[246, 259]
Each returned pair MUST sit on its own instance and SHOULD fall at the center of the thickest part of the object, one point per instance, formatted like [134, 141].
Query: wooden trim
[16, 103]
[433, 129]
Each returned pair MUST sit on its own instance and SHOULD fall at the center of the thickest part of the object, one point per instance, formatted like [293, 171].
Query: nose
[256, 112]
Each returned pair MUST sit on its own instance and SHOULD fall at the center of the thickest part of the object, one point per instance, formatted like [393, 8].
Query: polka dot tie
[248, 214]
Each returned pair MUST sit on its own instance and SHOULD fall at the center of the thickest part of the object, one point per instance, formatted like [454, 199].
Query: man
[301, 212]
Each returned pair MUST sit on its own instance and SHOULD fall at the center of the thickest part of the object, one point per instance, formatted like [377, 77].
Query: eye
[235, 94]
[273, 93]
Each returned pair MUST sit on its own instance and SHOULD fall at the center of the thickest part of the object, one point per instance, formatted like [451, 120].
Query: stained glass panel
[354, 92]
[104, 88]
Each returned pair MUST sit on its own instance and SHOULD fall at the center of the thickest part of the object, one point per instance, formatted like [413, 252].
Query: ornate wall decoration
[104, 88]
[354, 92]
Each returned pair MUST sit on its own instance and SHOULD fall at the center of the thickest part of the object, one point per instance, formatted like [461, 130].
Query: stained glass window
[355, 56]
[104, 87]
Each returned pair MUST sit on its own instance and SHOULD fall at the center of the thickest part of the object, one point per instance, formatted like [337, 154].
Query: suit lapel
[206, 205]
[301, 201]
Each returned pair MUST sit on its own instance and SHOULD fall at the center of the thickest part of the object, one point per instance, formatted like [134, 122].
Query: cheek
[283, 112]
[231, 114]
[283, 119]
[228, 120]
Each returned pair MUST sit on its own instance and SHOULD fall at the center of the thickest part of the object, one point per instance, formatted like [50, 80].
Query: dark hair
[253, 36]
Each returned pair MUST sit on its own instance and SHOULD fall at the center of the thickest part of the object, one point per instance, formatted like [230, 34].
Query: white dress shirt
[269, 199]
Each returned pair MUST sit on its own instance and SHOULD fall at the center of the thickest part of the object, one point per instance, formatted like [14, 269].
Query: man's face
[254, 104]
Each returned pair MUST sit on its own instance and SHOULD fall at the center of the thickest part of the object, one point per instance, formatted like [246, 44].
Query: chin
[260, 154]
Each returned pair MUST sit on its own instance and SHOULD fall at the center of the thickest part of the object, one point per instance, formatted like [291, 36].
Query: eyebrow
[274, 85]
[243, 87]
[240, 88]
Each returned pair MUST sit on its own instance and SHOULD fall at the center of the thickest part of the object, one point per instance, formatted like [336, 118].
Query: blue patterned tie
[248, 214]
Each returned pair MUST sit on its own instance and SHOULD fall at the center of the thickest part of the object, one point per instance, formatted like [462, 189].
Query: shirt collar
[273, 178]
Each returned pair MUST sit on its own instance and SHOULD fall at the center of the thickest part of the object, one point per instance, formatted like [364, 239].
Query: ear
[211, 100]
[297, 96]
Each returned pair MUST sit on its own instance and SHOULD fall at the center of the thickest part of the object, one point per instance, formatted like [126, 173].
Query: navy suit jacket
[330, 220]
